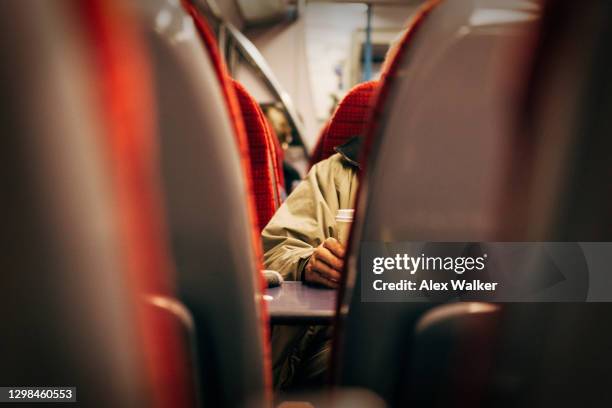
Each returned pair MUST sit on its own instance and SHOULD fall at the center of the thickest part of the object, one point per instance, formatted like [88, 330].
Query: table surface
[296, 303]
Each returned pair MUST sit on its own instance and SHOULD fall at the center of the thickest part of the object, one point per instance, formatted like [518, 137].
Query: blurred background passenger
[282, 128]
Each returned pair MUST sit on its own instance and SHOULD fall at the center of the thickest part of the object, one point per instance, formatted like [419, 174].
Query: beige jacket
[304, 221]
[308, 215]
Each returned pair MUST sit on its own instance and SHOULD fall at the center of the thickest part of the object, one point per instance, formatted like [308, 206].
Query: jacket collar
[350, 151]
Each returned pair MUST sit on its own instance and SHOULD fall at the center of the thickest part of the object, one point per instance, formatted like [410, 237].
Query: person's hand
[325, 265]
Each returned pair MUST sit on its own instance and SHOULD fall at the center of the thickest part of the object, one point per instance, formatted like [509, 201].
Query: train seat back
[264, 169]
[125, 88]
[435, 163]
[69, 312]
[208, 216]
[350, 119]
[566, 133]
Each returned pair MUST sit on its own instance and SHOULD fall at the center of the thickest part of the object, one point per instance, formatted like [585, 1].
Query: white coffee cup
[344, 219]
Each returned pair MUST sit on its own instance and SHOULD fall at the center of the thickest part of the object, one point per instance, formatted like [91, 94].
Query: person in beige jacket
[299, 242]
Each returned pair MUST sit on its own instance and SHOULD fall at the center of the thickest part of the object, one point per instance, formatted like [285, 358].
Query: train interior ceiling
[172, 170]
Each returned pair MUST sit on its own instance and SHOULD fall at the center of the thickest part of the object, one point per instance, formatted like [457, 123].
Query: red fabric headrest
[350, 119]
[264, 168]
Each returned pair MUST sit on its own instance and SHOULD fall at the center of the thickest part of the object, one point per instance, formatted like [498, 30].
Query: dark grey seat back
[559, 354]
[546, 179]
[206, 204]
[436, 167]
[67, 314]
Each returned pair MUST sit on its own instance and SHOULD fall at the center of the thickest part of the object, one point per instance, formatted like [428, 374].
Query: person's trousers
[300, 356]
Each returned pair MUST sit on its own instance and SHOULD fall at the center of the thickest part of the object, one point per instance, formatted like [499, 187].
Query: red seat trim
[126, 98]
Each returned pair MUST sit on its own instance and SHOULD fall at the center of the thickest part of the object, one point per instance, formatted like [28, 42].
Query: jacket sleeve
[303, 222]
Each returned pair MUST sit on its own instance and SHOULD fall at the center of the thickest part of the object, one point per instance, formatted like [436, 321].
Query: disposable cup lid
[345, 215]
